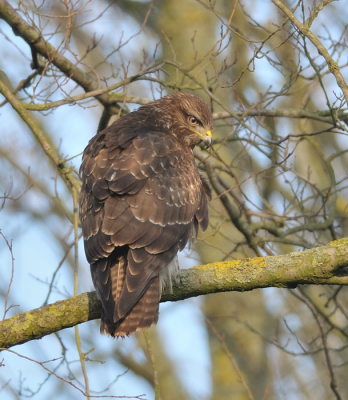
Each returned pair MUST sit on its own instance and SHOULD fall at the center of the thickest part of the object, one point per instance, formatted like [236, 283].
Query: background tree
[274, 75]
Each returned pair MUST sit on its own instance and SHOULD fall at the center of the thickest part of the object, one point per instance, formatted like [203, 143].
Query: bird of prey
[141, 200]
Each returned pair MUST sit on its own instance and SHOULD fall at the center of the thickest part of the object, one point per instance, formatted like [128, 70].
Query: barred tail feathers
[109, 277]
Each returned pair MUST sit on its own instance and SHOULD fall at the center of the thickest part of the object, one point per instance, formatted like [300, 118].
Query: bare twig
[231, 358]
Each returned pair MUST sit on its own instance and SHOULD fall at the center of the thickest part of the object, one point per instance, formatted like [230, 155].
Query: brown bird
[141, 199]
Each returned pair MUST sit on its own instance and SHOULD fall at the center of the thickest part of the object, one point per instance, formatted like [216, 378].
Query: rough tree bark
[322, 265]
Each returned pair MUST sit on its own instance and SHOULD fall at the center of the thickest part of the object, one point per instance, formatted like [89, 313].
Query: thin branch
[68, 175]
[40, 45]
[114, 97]
[9, 245]
[76, 280]
[304, 29]
[323, 335]
[52, 372]
[231, 358]
[154, 366]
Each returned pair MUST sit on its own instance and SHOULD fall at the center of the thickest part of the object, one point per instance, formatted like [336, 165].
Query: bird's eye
[193, 120]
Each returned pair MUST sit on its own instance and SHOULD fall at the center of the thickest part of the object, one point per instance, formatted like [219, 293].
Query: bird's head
[185, 116]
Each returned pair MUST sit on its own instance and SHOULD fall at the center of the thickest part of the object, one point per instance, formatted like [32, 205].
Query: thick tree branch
[322, 265]
[41, 46]
[90, 83]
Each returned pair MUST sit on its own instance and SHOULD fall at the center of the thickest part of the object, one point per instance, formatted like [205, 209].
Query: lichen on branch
[322, 265]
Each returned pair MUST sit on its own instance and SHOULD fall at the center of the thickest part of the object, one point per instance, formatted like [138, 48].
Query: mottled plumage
[141, 198]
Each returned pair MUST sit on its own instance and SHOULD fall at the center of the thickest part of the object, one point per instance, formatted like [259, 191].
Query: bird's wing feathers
[139, 191]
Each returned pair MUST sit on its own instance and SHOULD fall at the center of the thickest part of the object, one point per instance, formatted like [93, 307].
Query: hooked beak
[207, 140]
[205, 137]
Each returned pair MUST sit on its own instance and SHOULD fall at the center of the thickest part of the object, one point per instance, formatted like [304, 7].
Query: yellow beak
[206, 137]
